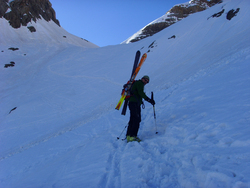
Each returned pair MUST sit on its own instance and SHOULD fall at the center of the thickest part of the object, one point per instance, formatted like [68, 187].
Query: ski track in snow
[112, 177]
[61, 132]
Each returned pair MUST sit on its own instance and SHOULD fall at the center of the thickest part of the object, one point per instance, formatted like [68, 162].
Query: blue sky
[109, 22]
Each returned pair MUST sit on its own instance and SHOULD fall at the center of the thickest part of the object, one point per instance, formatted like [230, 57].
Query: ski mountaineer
[135, 102]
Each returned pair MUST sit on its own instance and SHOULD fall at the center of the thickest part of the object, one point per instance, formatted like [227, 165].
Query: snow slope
[48, 33]
[63, 132]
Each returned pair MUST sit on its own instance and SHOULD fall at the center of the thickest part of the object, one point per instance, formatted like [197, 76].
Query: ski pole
[121, 133]
[155, 120]
[152, 97]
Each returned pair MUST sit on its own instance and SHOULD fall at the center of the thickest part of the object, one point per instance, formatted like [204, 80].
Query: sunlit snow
[59, 126]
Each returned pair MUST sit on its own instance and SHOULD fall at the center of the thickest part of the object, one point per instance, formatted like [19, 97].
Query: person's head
[145, 79]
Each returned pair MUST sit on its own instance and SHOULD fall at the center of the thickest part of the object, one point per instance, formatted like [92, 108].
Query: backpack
[128, 87]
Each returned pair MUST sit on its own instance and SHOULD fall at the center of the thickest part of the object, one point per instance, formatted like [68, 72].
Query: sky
[109, 22]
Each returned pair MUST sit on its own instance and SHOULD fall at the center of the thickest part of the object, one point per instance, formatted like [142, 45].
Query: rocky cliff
[174, 15]
[21, 12]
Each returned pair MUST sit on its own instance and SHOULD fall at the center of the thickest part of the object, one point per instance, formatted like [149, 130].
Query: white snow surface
[48, 33]
[63, 132]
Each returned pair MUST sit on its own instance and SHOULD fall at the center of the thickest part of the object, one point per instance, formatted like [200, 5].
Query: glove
[150, 101]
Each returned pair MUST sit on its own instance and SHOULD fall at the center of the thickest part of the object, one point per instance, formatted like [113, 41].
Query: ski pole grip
[152, 95]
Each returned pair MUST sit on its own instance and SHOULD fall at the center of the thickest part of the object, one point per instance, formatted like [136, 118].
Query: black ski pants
[135, 119]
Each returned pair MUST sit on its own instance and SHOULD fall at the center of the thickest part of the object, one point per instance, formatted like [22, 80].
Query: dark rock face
[232, 13]
[11, 64]
[176, 14]
[32, 29]
[218, 14]
[21, 12]
[3, 7]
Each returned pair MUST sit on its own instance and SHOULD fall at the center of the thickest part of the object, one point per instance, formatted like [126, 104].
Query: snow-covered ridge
[21, 12]
[175, 14]
[46, 33]
[32, 21]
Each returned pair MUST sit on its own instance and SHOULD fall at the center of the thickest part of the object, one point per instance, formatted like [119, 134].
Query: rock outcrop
[174, 15]
[21, 12]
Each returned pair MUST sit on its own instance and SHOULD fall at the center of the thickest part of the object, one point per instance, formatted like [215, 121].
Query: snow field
[64, 130]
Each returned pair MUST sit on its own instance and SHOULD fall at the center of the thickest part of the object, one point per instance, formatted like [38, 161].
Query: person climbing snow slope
[135, 103]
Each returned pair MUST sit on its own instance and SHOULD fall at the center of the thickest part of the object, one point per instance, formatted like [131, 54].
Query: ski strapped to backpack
[136, 69]
[137, 58]
[124, 109]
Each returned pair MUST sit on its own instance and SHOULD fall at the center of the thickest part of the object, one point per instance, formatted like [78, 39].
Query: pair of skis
[135, 71]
